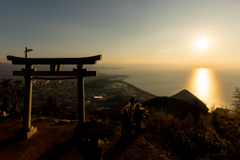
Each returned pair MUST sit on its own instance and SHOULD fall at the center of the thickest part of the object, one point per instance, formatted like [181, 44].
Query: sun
[202, 43]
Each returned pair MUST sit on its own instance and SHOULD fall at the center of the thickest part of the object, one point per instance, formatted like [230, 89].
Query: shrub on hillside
[236, 102]
[11, 96]
[196, 109]
[62, 111]
[112, 115]
[172, 106]
[228, 128]
[49, 109]
[53, 110]
[211, 137]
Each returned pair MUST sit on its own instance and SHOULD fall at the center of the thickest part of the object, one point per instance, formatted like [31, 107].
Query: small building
[98, 97]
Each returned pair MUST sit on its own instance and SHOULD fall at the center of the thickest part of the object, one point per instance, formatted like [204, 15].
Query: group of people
[132, 114]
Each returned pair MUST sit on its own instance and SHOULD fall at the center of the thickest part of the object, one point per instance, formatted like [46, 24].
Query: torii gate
[55, 67]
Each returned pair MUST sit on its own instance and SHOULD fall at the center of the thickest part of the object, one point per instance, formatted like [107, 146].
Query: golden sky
[128, 33]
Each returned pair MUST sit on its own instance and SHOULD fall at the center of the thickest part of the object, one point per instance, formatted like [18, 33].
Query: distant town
[101, 92]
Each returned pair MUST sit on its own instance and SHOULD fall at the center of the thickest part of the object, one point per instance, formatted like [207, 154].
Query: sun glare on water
[204, 85]
[202, 82]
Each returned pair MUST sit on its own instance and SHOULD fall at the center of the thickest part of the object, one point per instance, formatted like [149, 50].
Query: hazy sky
[128, 33]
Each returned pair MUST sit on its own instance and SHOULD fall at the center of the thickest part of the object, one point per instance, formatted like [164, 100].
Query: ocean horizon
[213, 86]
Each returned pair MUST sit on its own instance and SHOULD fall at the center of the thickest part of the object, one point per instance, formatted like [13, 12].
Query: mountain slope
[187, 96]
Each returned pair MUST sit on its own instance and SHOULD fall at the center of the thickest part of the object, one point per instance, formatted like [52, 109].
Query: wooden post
[25, 52]
[28, 130]
[81, 96]
[27, 98]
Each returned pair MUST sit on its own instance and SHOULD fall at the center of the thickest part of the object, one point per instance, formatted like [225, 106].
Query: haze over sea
[212, 86]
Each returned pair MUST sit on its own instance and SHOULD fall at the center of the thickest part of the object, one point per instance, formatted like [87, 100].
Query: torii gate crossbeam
[55, 67]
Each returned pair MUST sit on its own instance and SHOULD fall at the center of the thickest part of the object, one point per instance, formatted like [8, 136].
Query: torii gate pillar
[27, 129]
[81, 96]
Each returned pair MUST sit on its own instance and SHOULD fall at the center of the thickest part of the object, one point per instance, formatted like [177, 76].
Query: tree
[16, 95]
[63, 111]
[50, 108]
[12, 95]
[53, 110]
[5, 85]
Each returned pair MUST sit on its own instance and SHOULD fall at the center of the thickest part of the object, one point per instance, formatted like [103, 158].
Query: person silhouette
[137, 117]
[126, 124]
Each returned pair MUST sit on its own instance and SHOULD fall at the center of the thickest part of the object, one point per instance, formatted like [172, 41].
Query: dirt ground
[50, 141]
[54, 141]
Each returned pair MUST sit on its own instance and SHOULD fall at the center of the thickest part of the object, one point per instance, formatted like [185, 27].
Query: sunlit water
[204, 84]
[213, 87]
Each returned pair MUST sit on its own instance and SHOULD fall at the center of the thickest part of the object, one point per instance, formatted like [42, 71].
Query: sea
[214, 87]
